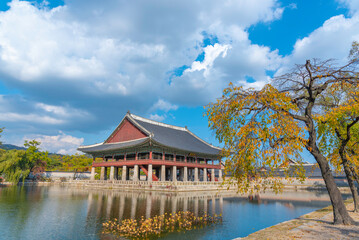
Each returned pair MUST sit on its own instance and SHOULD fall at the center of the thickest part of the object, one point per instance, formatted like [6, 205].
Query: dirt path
[314, 225]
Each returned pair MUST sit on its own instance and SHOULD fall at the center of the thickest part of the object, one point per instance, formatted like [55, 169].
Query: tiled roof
[176, 137]
[163, 134]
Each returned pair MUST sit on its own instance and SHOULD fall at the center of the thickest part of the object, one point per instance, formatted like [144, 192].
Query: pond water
[68, 213]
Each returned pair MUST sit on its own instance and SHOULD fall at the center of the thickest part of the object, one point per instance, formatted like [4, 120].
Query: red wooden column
[174, 157]
[124, 157]
[163, 156]
[151, 155]
[136, 156]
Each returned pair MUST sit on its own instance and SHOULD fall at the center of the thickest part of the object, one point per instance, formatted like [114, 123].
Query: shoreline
[314, 225]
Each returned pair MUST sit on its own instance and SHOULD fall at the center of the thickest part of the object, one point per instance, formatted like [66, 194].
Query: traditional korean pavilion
[163, 152]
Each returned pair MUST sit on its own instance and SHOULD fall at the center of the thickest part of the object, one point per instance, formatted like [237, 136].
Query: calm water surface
[69, 213]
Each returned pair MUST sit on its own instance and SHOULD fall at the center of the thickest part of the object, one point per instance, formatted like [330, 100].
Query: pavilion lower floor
[163, 172]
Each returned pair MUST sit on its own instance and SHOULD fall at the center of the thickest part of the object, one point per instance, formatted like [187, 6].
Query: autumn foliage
[257, 131]
[269, 126]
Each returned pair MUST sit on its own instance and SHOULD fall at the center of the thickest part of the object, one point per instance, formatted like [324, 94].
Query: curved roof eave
[107, 147]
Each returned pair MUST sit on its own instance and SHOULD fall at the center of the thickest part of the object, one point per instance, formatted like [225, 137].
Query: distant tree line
[16, 165]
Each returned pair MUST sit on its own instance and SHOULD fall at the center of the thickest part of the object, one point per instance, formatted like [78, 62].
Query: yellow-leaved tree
[337, 128]
[270, 126]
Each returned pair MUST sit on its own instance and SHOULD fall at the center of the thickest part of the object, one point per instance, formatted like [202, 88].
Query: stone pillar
[93, 173]
[124, 173]
[174, 173]
[212, 175]
[135, 173]
[102, 175]
[185, 174]
[196, 174]
[112, 172]
[204, 174]
[220, 178]
[163, 173]
[149, 177]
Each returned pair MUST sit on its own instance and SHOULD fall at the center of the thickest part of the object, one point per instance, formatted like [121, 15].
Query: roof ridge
[156, 122]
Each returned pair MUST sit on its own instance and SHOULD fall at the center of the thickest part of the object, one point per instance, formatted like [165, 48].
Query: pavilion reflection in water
[124, 205]
[107, 204]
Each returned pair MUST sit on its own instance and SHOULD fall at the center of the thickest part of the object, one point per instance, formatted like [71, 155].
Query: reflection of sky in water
[68, 213]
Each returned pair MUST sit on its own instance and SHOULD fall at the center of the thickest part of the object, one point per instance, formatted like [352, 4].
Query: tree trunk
[340, 212]
[351, 183]
[347, 170]
[355, 175]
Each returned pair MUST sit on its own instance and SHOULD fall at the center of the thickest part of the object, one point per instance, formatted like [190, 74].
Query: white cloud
[163, 105]
[255, 85]
[330, 41]
[157, 117]
[352, 4]
[53, 109]
[210, 54]
[242, 60]
[61, 144]
[81, 65]
[18, 109]
[17, 117]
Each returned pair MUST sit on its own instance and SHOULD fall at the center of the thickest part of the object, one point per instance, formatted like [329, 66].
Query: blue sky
[70, 70]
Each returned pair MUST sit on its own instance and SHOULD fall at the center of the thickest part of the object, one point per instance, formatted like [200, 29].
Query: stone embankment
[291, 184]
[167, 186]
[149, 186]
